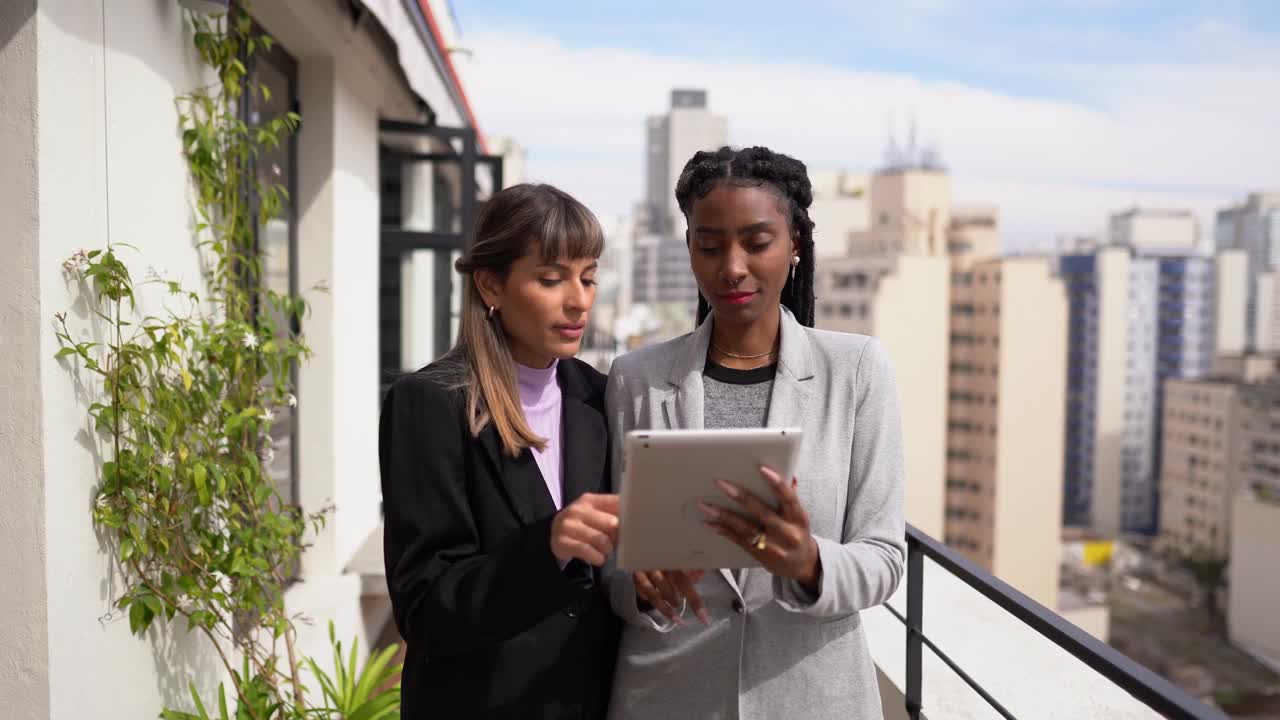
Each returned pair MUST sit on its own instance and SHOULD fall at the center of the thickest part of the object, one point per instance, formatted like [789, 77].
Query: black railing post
[915, 626]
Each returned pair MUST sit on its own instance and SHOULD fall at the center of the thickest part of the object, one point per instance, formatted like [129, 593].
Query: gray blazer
[772, 650]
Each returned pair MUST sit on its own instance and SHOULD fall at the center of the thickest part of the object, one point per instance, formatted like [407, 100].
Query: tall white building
[670, 140]
[1254, 227]
[1135, 321]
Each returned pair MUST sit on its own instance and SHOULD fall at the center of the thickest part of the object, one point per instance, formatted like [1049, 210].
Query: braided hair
[759, 167]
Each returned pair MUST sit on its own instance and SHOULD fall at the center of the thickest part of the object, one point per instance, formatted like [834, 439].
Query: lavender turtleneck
[540, 398]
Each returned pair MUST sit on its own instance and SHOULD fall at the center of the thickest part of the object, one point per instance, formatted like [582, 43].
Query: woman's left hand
[779, 539]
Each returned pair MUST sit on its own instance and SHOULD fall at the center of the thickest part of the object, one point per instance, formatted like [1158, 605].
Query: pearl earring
[795, 260]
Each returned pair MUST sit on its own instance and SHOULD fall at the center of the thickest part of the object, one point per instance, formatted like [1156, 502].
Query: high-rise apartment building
[660, 260]
[1221, 436]
[1136, 321]
[670, 140]
[1254, 227]
[890, 286]
[660, 271]
[976, 340]
[1004, 441]
[1111, 388]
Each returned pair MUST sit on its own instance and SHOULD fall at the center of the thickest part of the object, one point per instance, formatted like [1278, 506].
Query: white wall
[1109, 421]
[96, 667]
[1156, 231]
[1230, 296]
[1254, 592]
[24, 647]
[89, 136]
[338, 240]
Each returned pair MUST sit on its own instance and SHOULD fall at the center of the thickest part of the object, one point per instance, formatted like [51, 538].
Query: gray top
[735, 398]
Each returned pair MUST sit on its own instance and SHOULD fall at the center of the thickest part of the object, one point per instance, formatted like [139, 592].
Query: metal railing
[1144, 685]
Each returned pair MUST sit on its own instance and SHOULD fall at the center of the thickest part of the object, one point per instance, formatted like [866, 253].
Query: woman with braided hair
[784, 639]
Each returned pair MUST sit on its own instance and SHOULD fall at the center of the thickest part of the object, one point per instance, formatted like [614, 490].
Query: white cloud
[1174, 136]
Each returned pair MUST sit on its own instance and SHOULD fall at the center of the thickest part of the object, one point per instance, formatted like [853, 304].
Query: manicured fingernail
[711, 511]
[705, 617]
[728, 489]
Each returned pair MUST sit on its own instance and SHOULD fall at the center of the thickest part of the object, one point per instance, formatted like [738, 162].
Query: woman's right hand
[587, 529]
[665, 590]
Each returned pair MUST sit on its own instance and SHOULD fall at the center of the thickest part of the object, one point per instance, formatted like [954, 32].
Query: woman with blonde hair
[495, 482]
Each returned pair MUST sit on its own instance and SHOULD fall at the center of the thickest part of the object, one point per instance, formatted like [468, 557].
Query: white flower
[103, 501]
[165, 459]
[249, 340]
[78, 261]
[267, 415]
[223, 447]
[292, 400]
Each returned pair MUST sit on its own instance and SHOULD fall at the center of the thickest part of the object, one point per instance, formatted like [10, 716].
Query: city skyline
[1099, 106]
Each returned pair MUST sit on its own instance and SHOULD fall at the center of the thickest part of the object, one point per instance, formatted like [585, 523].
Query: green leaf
[137, 618]
[126, 549]
[195, 697]
[200, 477]
[63, 353]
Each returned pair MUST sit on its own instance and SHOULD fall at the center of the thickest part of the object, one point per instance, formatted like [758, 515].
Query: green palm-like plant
[355, 693]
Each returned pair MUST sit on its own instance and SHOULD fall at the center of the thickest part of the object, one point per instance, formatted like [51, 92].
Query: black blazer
[494, 628]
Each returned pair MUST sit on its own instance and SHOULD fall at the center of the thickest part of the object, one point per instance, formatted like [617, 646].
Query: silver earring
[492, 310]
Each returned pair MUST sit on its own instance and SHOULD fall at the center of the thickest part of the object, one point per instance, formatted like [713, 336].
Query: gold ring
[760, 542]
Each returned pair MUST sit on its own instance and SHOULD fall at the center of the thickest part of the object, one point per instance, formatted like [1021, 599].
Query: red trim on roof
[425, 5]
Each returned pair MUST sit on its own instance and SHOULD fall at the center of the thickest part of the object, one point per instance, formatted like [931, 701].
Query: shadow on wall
[14, 15]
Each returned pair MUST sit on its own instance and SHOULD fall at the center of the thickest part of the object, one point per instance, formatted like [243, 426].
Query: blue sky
[1158, 102]
[983, 42]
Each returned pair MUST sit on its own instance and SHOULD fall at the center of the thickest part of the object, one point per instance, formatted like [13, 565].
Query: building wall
[1005, 444]
[1138, 459]
[909, 315]
[1254, 228]
[1198, 471]
[1230, 298]
[1111, 398]
[24, 643]
[1156, 231]
[910, 213]
[1027, 512]
[839, 209]
[1254, 592]
[338, 387]
[89, 117]
[1267, 325]
[1108, 391]
[90, 94]
[689, 130]
[1259, 449]
[974, 233]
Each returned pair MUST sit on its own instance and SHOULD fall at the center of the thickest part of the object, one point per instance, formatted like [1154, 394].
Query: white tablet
[666, 473]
